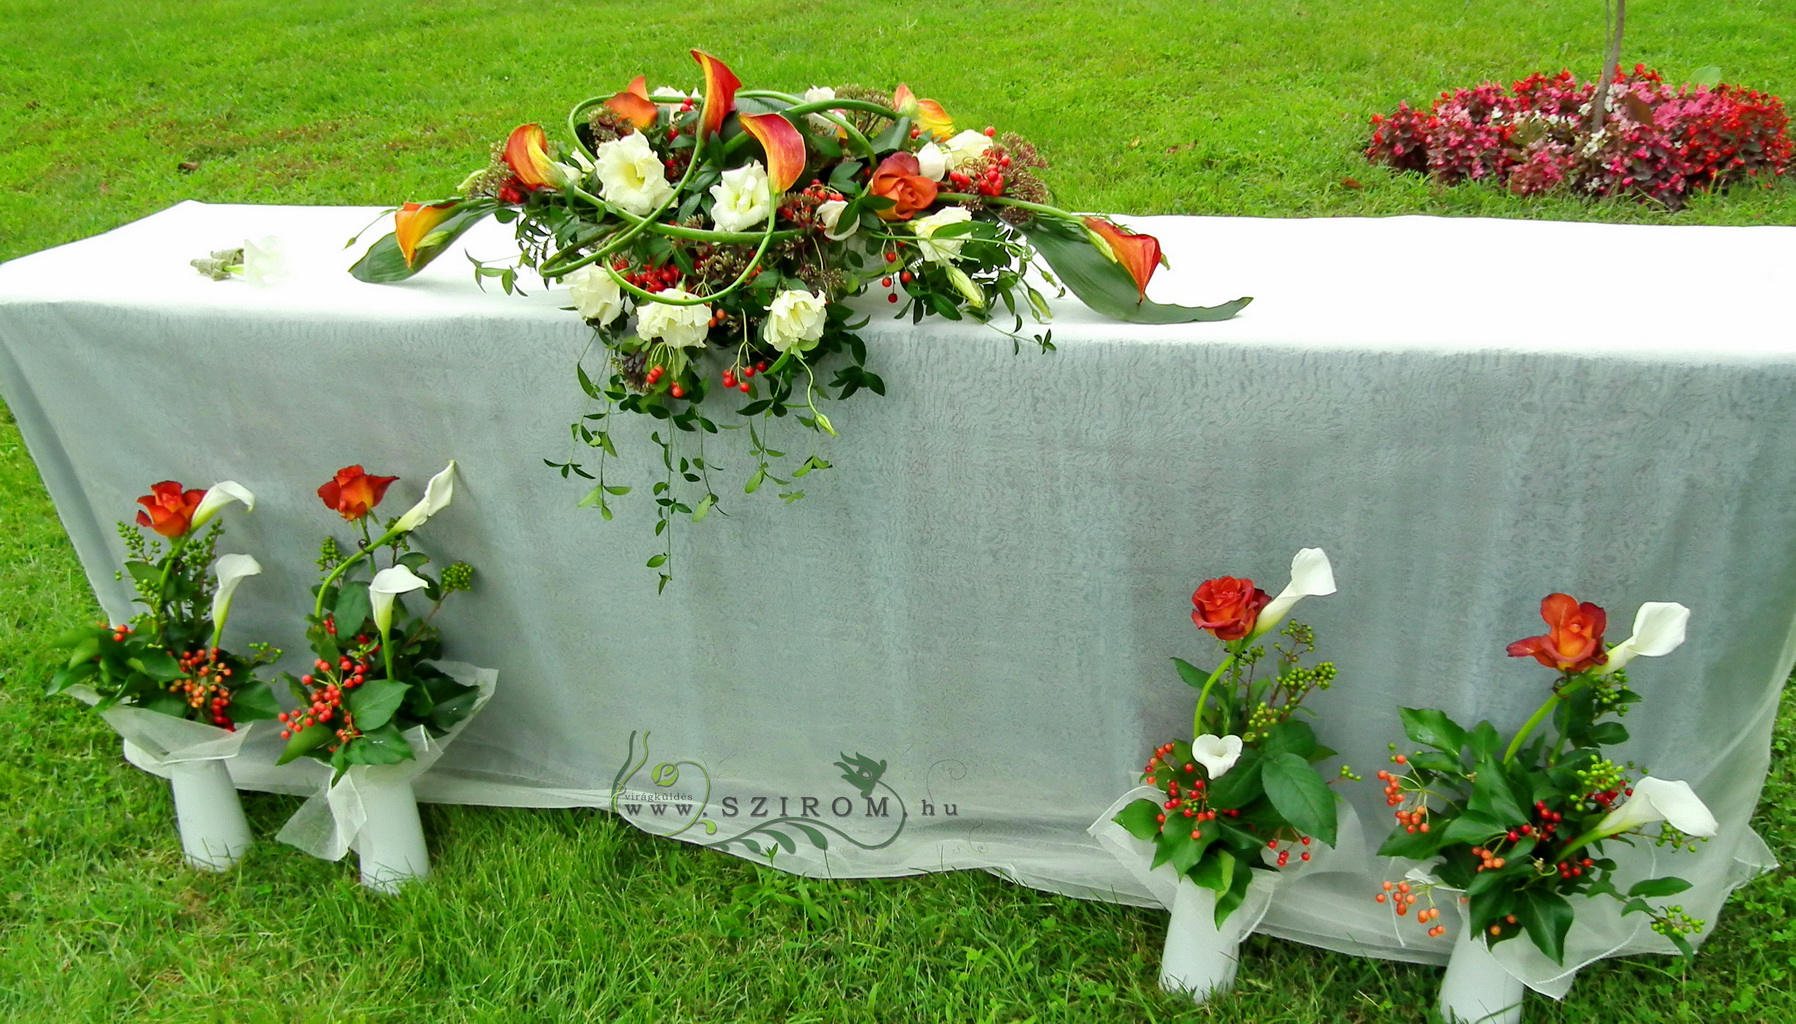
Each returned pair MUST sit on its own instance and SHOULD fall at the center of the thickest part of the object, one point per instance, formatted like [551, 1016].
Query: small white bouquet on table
[164, 680]
[377, 705]
[1228, 812]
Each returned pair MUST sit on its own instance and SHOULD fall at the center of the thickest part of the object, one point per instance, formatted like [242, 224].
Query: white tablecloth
[984, 592]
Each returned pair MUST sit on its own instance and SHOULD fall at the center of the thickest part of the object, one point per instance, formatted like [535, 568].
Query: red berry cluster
[204, 686]
[737, 377]
[326, 690]
[649, 279]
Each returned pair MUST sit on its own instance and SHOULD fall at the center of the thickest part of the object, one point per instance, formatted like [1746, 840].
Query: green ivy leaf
[1192, 675]
[1653, 887]
[305, 741]
[1547, 917]
[374, 702]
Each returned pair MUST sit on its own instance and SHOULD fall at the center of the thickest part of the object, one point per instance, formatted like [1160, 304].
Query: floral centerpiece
[1519, 828]
[1243, 796]
[168, 659]
[164, 679]
[377, 706]
[371, 683]
[712, 238]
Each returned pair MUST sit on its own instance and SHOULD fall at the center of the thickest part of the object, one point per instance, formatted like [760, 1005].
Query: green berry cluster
[459, 576]
[1602, 775]
[329, 554]
[1675, 922]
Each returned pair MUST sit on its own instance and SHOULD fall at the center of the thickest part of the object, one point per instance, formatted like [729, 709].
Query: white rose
[932, 161]
[596, 294]
[743, 198]
[631, 177]
[942, 250]
[674, 326]
[795, 319]
[967, 146]
[830, 213]
[812, 95]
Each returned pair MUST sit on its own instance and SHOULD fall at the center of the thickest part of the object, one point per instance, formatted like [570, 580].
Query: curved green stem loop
[580, 108]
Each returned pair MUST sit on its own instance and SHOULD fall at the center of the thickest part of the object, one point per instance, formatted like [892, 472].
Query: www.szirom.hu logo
[768, 823]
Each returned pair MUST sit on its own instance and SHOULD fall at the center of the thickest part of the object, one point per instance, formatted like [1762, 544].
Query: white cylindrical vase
[214, 833]
[391, 842]
[1198, 960]
[1476, 988]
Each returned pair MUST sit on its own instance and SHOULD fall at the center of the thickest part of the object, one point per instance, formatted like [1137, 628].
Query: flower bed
[1656, 143]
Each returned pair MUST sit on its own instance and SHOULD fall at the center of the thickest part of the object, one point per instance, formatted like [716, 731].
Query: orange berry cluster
[1488, 859]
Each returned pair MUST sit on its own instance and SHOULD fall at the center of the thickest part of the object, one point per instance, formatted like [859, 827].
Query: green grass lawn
[1229, 107]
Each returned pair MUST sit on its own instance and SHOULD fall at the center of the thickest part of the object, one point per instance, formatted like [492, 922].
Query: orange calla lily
[527, 154]
[720, 93]
[413, 223]
[928, 114]
[783, 145]
[634, 103]
[1138, 254]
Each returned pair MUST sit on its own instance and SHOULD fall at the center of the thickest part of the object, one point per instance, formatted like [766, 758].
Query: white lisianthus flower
[1311, 576]
[596, 294]
[437, 495]
[965, 147]
[795, 319]
[830, 213]
[574, 171]
[631, 177]
[940, 250]
[1658, 630]
[743, 198]
[674, 326]
[1216, 753]
[667, 96]
[932, 161]
[1661, 800]
[812, 95]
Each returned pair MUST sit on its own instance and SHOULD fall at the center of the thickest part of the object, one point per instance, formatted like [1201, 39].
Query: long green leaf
[1104, 285]
[1300, 795]
[383, 263]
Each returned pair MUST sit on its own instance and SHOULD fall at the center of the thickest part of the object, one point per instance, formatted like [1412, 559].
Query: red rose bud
[352, 493]
[1573, 641]
[1228, 607]
[527, 154]
[168, 509]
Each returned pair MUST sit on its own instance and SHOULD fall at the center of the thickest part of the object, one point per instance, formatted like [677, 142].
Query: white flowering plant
[711, 239]
[1243, 794]
[1519, 829]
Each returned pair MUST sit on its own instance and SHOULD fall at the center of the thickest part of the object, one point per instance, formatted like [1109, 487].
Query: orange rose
[169, 510]
[1228, 607]
[1574, 638]
[352, 493]
[899, 180]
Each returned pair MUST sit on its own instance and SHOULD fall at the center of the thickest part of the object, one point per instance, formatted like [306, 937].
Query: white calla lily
[1216, 753]
[231, 570]
[1311, 576]
[389, 584]
[217, 497]
[437, 494]
[1661, 800]
[1659, 628]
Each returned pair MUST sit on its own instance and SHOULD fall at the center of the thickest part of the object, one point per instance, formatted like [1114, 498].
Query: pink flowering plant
[1656, 143]
[712, 240]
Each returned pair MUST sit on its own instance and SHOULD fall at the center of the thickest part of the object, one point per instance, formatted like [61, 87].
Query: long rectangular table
[976, 606]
